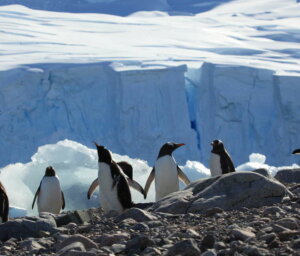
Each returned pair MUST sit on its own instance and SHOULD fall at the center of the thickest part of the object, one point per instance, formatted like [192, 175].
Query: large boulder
[288, 175]
[27, 227]
[229, 191]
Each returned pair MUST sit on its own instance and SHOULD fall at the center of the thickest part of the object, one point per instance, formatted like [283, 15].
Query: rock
[207, 242]
[150, 251]
[287, 235]
[290, 223]
[255, 251]
[140, 227]
[76, 246]
[209, 253]
[268, 237]
[87, 243]
[31, 245]
[176, 203]
[138, 215]
[288, 175]
[229, 191]
[272, 210]
[186, 247]
[26, 227]
[212, 211]
[108, 239]
[117, 248]
[237, 190]
[139, 242]
[278, 229]
[263, 172]
[242, 234]
[78, 217]
[78, 253]
[296, 244]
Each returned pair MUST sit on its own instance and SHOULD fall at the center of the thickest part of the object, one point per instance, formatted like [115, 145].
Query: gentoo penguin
[114, 192]
[296, 151]
[128, 171]
[4, 204]
[220, 161]
[166, 172]
[50, 196]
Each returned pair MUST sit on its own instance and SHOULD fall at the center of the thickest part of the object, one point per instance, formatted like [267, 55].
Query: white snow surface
[76, 165]
[132, 83]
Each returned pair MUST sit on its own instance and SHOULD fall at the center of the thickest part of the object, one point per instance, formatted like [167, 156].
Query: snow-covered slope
[134, 82]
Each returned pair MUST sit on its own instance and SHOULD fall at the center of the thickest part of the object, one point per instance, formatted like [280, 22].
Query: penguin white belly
[108, 195]
[50, 197]
[166, 176]
[215, 165]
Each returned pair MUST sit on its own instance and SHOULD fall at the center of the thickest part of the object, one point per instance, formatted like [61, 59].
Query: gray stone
[88, 243]
[290, 223]
[176, 203]
[78, 217]
[252, 250]
[186, 247]
[229, 191]
[31, 245]
[110, 239]
[138, 215]
[263, 172]
[26, 227]
[272, 210]
[139, 242]
[76, 246]
[209, 253]
[208, 241]
[268, 237]
[79, 253]
[242, 234]
[150, 251]
[288, 175]
[141, 227]
[278, 228]
[117, 248]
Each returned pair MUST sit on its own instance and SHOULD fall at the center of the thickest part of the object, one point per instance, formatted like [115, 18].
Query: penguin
[166, 172]
[114, 192]
[128, 171]
[50, 196]
[296, 151]
[220, 160]
[4, 204]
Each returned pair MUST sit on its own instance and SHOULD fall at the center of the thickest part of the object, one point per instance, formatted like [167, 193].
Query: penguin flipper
[182, 176]
[63, 200]
[149, 181]
[92, 188]
[6, 208]
[226, 163]
[296, 151]
[126, 168]
[36, 194]
[132, 183]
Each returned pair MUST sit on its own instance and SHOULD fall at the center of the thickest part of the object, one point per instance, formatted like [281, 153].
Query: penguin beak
[96, 144]
[180, 145]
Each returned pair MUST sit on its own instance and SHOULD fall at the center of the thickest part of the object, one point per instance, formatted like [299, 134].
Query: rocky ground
[267, 230]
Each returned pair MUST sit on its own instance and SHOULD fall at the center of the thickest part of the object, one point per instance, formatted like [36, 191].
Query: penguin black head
[296, 151]
[49, 171]
[103, 154]
[218, 146]
[168, 148]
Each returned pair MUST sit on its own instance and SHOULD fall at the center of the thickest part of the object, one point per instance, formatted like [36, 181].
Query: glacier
[133, 112]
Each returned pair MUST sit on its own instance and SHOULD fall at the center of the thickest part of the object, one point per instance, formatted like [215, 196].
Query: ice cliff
[133, 111]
